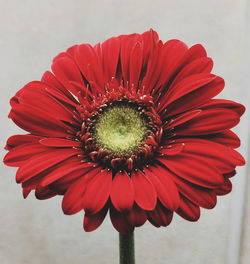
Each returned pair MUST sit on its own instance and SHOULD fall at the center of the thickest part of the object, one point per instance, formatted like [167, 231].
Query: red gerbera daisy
[128, 126]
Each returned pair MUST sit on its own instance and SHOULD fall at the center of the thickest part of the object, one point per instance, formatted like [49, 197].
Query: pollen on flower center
[120, 129]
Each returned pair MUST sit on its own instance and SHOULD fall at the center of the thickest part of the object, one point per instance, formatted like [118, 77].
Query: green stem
[127, 248]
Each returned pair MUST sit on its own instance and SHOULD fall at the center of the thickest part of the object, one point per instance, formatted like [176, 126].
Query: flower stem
[127, 248]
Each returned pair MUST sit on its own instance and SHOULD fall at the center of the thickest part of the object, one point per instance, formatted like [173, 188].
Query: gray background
[31, 34]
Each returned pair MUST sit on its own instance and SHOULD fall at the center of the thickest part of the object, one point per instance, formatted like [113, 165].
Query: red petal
[136, 216]
[184, 87]
[150, 39]
[181, 119]
[225, 188]
[122, 192]
[17, 140]
[92, 222]
[35, 95]
[110, 57]
[183, 57]
[218, 158]
[230, 174]
[97, 192]
[196, 98]
[61, 98]
[70, 70]
[227, 138]
[90, 66]
[66, 71]
[127, 44]
[188, 210]
[194, 169]
[171, 150]
[154, 68]
[43, 193]
[200, 65]
[199, 195]
[17, 156]
[171, 54]
[221, 103]
[145, 194]
[166, 189]
[39, 122]
[49, 79]
[223, 157]
[43, 161]
[73, 198]
[26, 192]
[62, 184]
[135, 64]
[60, 142]
[160, 216]
[120, 222]
[70, 166]
[209, 121]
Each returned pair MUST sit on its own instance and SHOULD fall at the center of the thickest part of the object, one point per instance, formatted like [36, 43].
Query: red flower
[128, 126]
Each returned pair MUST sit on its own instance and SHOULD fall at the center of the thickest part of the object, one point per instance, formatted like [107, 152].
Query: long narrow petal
[127, 44]
[49, 79]
[62, 184]
[43, 161]
[200, 65]
[73, 199]
[39, 122]
[186, 86]
[194, 170]
[122, 192]
[166, 189]
[69, 166]
[60, 142]
[18, 140]
[67, 71]
[17, 156]
[110, 56]
[90, 66]
[222, 157]
[201, 196]
[145, 194]
[135, 66]
[182, 119]
[97, 192]
[195, 98]
[208, 122]
[227, 138]
[222, 103]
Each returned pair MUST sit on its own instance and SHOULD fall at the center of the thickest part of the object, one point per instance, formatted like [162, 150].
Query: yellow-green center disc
[120, 130]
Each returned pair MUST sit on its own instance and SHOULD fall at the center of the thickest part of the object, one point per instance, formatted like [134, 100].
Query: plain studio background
[31, 34]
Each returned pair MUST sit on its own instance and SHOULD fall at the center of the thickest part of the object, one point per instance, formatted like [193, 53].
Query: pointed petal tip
[26, 192]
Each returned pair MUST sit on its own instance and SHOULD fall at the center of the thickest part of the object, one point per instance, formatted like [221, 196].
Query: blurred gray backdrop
[32, 32]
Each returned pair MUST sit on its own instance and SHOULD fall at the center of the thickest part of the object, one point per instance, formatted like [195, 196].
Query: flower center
[120, 129]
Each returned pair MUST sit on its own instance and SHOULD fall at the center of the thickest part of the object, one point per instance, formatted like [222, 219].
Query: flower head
[128, 126]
